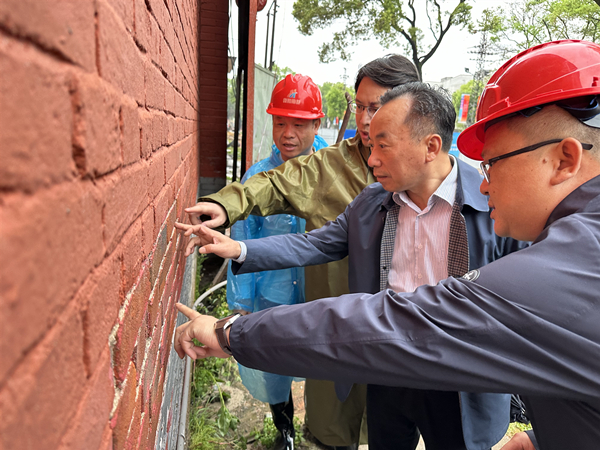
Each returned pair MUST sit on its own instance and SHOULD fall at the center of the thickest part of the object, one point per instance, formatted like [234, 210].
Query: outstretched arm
[210, 241]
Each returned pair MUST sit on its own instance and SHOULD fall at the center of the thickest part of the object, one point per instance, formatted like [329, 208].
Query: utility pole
[482, 51]
[274, 5]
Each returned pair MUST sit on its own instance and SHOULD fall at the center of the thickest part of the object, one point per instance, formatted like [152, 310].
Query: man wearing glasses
[318, 188]
[527, 323]
[423, 221]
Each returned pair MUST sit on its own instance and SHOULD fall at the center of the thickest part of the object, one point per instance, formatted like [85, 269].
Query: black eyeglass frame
[354, 107]
[485, 166]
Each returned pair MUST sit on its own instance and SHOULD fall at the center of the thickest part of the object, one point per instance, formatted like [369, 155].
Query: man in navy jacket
[447, 218]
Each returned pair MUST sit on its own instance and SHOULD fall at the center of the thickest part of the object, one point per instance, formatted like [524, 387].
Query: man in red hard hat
[297, 111]
[527, 323]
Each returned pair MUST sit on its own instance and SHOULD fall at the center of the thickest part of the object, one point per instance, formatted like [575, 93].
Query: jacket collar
[467, 189]
[577, 200]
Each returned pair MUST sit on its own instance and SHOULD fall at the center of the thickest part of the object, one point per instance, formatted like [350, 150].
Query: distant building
[451, 84]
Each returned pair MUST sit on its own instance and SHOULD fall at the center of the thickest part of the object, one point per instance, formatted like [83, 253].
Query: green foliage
[525, 23]
[394, 23]
[268, 435]
[209, 430]
[281, 72]
[334, 101]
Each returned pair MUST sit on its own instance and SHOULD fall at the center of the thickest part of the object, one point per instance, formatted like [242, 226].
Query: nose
[372, 161]
[363, 118]
[288, 131]
[484, 187]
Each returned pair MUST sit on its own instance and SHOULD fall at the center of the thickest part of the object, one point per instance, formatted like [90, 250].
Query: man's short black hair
[388, 71]
[431, 110]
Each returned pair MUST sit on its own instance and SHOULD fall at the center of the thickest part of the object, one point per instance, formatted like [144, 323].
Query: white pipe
[209, 291]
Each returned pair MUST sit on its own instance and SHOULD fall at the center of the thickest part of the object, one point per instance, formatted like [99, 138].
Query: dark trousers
[395, 416]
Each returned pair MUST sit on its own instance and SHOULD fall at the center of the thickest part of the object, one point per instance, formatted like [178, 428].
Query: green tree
[525, 23]
[391, 22]
[281, 72]
[334, 101]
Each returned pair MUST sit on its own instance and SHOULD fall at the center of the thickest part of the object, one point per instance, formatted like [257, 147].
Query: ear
[316, 125]
[434, 146]
[568, 156]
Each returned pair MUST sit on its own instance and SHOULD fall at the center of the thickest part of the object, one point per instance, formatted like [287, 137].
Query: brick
[128, 330]
[130, 132]
[162, 205]
[151, 359]
[125, 196]
[142, 25]
[91, 423]
[126, 411]
[154, 83]
[52, 374]
[97, 125]
[148, 237]
[146, 133]
[133, 255]
[156, 173]
[158, 255]
[66, 27]
[46, 269]
[173, 158]
[140, 348]
[107, 439]
[37, 133]
[119, 59]
[100, 299]
[124, 9]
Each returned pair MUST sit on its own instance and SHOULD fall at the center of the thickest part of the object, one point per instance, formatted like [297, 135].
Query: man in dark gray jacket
[438, 225]
[527, 323]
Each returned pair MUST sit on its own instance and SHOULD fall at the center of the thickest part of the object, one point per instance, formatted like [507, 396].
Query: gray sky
[299, 52]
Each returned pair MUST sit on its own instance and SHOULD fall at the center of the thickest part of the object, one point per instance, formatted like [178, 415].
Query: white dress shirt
[422, 236]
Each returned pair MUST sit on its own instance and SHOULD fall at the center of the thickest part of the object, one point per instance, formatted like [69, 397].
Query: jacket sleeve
[296, 187]
[513, 329]
[320, 246]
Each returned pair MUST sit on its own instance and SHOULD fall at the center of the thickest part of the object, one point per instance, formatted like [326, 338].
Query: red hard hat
[543, 74]
[296, 96]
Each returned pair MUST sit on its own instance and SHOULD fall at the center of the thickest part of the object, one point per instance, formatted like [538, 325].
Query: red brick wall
[214, 20]
[98, 158]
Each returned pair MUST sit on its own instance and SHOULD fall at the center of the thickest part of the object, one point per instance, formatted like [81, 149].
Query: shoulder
[260, 166]
[373, 194]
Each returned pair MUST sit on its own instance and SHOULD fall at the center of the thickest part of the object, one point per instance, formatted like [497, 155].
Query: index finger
[186, 311]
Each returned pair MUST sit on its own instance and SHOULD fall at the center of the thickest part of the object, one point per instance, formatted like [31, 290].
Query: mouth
[288, 147]
[364, 135]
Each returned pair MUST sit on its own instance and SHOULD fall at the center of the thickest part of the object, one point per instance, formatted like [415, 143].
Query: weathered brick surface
[65, 27]
[88, 428]
[97, 125]
[35, 139]
[52, 375]
[99, 151]
[53, 240]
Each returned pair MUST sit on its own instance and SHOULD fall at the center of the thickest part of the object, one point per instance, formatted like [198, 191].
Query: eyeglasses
[485, 166]
[359, 109]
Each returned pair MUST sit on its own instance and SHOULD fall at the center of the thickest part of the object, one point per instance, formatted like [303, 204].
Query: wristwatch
[221, 326]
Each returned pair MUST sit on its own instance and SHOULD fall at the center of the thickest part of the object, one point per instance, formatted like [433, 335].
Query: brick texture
[100, 151]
